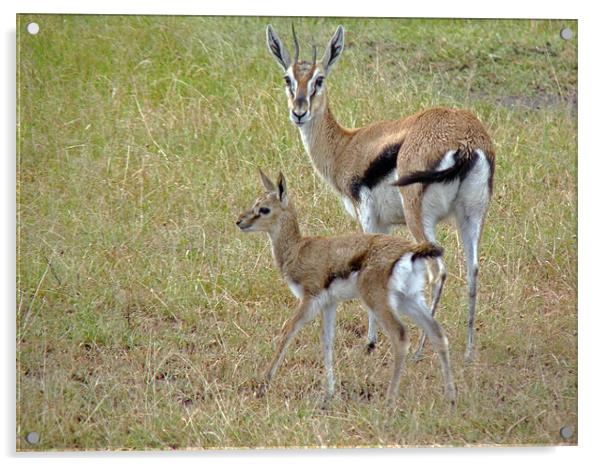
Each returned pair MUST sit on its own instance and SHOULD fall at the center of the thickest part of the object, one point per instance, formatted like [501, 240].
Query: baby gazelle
[385, 272]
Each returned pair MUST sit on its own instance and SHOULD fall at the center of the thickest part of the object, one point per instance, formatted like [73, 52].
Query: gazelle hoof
[326, 402]
[261, 390]
[452, 396]
[370, 346]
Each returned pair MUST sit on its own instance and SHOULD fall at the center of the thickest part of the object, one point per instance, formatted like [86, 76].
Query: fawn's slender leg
[415, 307]
[306, 311]
[423, 226]
[400, 342]
[376, 299]
[437, 277]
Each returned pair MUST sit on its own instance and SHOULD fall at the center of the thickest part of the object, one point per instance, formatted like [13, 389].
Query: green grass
[144, 317]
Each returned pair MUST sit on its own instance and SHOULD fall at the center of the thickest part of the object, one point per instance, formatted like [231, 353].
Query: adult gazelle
[416, 171]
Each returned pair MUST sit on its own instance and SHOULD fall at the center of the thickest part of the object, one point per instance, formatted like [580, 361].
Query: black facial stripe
[380, 167]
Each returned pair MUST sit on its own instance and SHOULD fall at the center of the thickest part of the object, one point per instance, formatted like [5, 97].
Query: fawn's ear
[333, 49]
[282, 193]
[277, 48]
[269, 185]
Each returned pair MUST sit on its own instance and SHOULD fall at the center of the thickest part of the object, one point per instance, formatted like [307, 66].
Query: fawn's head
[267, 209]
[305, 81]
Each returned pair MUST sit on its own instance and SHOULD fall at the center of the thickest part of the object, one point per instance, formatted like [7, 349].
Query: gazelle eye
[287, 80]
[264, 211]
[317, 84]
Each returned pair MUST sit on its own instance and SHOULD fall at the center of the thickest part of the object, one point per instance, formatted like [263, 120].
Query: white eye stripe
[291, 83]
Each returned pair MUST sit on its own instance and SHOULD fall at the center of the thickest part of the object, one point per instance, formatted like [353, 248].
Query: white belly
[343, 289]
[387, 201]
[379, 208]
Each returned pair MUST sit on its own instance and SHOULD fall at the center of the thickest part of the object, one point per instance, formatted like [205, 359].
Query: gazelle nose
[299, 116]
[238, 222]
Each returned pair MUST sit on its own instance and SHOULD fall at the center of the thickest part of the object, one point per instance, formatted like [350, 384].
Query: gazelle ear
[277, 48]
[267, 182]
[333, 49]
[282, 193]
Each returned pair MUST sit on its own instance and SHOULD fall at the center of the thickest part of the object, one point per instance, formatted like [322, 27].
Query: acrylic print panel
[146, 318]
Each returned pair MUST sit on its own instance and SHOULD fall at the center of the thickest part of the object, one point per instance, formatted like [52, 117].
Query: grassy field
[144, 317]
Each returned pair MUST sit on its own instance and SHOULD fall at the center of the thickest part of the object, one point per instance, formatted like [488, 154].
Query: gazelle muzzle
[246, 220]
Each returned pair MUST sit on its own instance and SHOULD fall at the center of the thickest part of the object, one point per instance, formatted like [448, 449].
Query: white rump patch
[438, 198]
[474, 193]
[407, 277]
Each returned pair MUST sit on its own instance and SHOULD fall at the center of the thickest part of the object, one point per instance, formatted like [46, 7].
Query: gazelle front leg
[306, 311]
[328, 329]
[367, 216]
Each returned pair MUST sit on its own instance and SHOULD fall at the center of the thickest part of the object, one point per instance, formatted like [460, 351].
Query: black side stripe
[378, 169]
[463, 163]
[355, 265]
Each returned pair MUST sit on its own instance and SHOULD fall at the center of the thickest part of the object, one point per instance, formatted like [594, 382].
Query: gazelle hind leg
[470, 231]
[415, 307]
[372, 330]
[424, 230]
[391, 324]
[437, 277]
[470, 209]
[375, 297]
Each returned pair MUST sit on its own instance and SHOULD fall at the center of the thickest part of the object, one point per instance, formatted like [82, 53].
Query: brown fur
[342, 156]
[314, 263]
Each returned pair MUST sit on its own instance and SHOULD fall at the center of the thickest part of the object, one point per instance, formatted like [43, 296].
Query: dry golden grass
[144, 317]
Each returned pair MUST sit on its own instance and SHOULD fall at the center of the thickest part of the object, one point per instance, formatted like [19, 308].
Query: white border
[429, 8]
[589, 194]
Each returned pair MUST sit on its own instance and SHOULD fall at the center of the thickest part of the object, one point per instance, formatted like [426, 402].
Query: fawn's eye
[264, 211]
